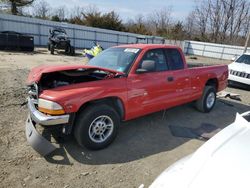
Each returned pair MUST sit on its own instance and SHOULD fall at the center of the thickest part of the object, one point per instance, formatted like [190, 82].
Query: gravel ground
[142, 150]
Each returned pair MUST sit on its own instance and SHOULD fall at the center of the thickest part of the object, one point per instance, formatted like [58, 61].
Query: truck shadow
[149, 135]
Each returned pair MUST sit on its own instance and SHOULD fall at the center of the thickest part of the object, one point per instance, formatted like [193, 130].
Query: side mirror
[146, 66]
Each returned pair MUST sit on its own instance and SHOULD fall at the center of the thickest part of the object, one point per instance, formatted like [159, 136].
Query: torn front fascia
[38, 143]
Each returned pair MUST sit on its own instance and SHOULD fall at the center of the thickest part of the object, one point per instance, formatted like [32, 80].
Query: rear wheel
[96, 126]
[52, 49]
[208, 99]
[72, 50]
[67, 49]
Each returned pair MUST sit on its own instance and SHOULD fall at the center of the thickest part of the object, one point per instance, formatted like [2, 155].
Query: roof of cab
[146, 46]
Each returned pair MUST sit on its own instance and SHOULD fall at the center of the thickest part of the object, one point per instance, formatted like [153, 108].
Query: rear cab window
[174, 59]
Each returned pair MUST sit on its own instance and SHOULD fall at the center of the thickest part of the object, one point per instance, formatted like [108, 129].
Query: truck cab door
[181, 76]
[151, 86]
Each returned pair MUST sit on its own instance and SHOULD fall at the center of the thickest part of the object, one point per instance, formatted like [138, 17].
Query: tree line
[219, 21]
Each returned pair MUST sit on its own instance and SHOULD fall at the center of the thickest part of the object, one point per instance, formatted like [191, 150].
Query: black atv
[58, 39]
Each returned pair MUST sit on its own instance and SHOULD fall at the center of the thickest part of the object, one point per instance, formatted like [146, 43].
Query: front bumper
[37, 141]
[44, 119]
[238, 84]
[239, 79]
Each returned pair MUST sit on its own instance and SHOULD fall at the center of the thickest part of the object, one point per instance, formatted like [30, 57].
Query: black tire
[202, 103]
[48, 47]
[67, 49]
[84, 126]
[72, 50]
[52, 49]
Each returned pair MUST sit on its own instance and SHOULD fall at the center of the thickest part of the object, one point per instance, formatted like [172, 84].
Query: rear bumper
[37, 141]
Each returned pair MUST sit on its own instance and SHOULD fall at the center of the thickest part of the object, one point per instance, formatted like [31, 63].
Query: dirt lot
[142, 150]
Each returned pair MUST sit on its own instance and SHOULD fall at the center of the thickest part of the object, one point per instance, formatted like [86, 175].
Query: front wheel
[208, 99]
[96, 126]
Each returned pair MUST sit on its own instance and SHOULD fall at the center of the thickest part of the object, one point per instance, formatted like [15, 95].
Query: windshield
[119, 59]
[244, 59]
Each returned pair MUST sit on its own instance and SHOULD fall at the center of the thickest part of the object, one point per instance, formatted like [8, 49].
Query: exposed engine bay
[68, 77]
[56, 79]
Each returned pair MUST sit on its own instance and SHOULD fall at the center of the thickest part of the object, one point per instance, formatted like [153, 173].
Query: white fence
[219, 51]
[179, 43]
[81, 36]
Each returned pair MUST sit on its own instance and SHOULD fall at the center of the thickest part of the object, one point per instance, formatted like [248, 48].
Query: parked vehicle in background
[121, 83]
[58, 39]
[11, 40]
[239, 71]
[223, 161]
[94, 51]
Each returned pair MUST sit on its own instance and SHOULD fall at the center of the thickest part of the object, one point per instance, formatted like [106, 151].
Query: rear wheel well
[212, 82]
[114, 102]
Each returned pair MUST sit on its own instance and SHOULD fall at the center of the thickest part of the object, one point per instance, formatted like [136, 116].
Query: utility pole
[246, 44]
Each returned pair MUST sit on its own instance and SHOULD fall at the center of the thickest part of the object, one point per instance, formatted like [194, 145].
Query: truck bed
[192, 64]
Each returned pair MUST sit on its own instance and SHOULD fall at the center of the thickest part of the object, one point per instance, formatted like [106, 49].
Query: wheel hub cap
[210, 100]
[101, 128]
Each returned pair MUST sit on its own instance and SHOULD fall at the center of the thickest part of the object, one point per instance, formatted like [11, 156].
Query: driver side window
[154, 61]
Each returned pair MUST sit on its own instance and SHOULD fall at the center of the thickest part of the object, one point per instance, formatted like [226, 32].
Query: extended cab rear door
[181, 76]
[152, 90]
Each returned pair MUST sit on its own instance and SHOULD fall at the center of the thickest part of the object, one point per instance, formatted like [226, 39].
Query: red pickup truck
[122, 83]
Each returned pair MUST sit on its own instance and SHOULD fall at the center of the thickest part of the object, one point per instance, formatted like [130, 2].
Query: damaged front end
[49, 113]
[36, 118]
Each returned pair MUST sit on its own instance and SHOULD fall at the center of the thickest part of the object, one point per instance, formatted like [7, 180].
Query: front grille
[240, 74]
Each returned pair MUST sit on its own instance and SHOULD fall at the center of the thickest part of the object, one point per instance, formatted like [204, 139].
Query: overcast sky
[131, 8]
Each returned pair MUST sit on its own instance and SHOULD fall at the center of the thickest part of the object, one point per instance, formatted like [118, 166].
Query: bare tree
[4, 7]
[200, 18]
[241, 13]
[42, 9]
[138, 25]
[76, 15]
[160, 21]
[16, 5]
[246, 26]
[190, 25]
[61, 12]
[223, 21]
[215, 18]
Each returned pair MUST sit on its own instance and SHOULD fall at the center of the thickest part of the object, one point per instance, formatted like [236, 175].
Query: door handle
[170, 78]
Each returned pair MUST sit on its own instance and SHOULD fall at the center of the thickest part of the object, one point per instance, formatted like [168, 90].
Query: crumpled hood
[36, 73]
[241, 67]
